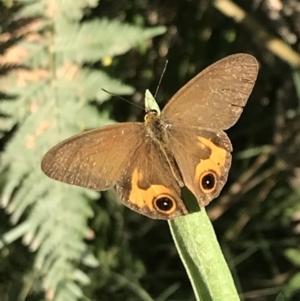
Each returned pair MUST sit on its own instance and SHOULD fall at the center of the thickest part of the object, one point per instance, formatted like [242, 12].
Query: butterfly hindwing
[203, 157]
[148, 186]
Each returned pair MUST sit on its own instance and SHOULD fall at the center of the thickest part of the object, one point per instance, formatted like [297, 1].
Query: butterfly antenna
[120, 97]
[161, 77]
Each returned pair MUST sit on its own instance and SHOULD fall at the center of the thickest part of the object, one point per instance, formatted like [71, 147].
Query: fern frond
[72, 10]
[99, 38]
[50, 99]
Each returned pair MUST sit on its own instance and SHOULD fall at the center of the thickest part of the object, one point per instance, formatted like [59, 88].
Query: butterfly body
[184, 145]
[158, 131]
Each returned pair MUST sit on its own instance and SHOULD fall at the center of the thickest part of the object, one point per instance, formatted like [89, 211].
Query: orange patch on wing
[216, 160]
[144, 197]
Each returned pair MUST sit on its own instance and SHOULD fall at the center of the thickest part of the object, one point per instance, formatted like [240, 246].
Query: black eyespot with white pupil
[164, 204]
[208, 181]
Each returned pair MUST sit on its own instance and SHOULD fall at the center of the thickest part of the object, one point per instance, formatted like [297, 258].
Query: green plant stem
[202, 257]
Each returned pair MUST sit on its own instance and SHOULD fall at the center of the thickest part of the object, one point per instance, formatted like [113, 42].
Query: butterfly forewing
[216, 96]
[94, 159]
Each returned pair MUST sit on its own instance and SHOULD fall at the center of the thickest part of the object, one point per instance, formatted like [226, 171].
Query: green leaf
[292, 287]
[280, 297]
[150, 102]
[293, 255]
[202, 257]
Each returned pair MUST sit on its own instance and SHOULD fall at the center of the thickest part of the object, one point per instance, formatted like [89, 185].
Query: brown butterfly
[184, 145]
